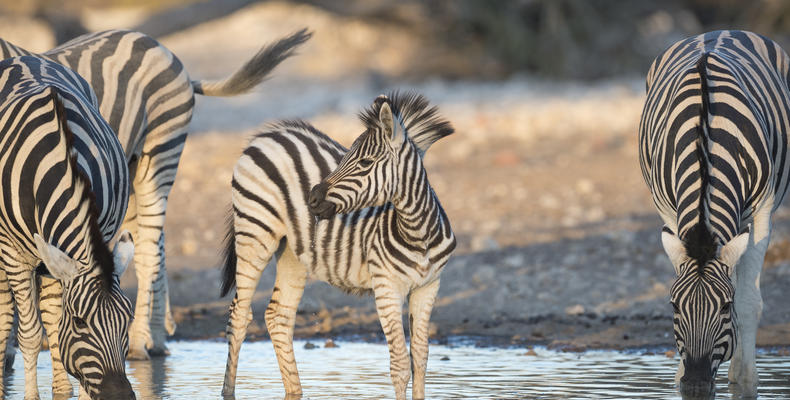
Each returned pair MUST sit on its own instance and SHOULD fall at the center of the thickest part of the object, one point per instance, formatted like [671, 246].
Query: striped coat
[365, 219]
[713, 150]
[65, 185]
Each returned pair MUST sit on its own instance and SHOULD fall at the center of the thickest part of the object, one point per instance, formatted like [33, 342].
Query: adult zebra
[147, 98]
[713, 150]
[379, 228]
[64, 192]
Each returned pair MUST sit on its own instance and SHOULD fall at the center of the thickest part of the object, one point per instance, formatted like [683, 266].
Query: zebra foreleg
[420, 306]
[389, 305]
[51, 303]
[281, 316]
[749, 306]
[6, 322]
[29, 335]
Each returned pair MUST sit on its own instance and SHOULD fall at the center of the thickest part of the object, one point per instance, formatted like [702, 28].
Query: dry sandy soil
[558, 238]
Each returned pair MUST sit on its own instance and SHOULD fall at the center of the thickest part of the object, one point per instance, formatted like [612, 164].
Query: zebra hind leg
[252, 257]
[389, 305]
[420, 306]
[147, 331]
[50, 301]
[281, 315]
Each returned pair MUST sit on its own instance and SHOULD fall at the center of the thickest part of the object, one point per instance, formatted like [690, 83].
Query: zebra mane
[699, 241]
[423, 124]
[102, 255]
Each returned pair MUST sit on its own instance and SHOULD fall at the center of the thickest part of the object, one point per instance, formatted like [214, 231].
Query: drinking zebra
[64, 192]
[371, 223]
[713, 150]
[147, 98]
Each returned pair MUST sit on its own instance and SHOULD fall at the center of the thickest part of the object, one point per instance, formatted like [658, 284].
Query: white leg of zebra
[29, 335]
[389, 305]
[241, 308]
[6, 321]
[749, 304]
[50, 301]
[281, 315]
[420, 306]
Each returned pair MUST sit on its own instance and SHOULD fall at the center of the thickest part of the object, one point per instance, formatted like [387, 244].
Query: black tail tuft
[254, 71]
[229, 255]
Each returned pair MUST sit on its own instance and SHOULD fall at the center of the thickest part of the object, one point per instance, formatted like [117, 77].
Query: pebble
[670, 354]
[578, 309]
[330, 344]
[309, 346]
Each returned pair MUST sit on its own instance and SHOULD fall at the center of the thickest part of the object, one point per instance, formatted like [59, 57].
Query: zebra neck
[417, 212]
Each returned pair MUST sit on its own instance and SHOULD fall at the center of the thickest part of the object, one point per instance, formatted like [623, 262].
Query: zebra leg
[420, 306]
[389, 305]
[29, 335]
[51, 303]
[281, 315]
[147, 331]
[249, 267]
[6, 322]
[749, 305]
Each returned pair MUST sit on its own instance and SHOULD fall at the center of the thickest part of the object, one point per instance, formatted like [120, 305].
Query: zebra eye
[365, 162]
[726, 308]
[675, 307]
[80, 323]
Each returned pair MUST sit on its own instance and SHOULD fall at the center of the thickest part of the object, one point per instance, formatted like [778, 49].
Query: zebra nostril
[317, 194]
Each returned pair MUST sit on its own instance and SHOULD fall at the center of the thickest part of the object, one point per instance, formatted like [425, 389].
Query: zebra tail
[229, 255]
[254, 71]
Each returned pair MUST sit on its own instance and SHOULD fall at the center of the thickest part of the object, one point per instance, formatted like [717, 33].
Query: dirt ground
[558, 238]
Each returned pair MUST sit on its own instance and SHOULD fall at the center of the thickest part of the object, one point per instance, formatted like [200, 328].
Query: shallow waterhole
[354, 370]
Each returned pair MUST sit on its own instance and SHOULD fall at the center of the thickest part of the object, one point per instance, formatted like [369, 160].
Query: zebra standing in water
[64, 192]
[713, 150]
[378, 227]
[147, 98]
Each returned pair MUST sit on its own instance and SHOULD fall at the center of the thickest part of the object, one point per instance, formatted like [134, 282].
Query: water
[195, 370]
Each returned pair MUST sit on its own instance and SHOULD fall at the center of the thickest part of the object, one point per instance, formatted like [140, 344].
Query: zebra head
[400, 128]
[96, 314]
[705, 324]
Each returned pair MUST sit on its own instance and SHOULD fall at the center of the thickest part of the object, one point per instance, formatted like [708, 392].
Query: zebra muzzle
[317, 203]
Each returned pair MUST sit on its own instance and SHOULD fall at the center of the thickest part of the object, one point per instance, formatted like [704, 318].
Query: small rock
[445, 358]
[531, 352]
[670, 354]
[575, 310]
[309, 346]
[330, 344]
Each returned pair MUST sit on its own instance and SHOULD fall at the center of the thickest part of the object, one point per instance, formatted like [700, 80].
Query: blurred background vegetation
[463, 39]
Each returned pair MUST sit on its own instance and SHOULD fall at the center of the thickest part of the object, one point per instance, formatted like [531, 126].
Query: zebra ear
[59, 264]
[123, 253]
[732, 251]
[674, 248]
[392, 128]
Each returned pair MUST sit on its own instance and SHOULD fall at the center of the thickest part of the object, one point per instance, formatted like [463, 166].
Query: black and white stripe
[363, 219]
[713, 150]
[63, 195]
[147, 97]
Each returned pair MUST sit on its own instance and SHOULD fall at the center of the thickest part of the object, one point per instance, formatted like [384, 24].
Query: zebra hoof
[138, 355]
[159, 351]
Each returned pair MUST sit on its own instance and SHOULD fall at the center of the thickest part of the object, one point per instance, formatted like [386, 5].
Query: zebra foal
[713, 150]
[370, 223]
[63, 197]
[147, 98]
